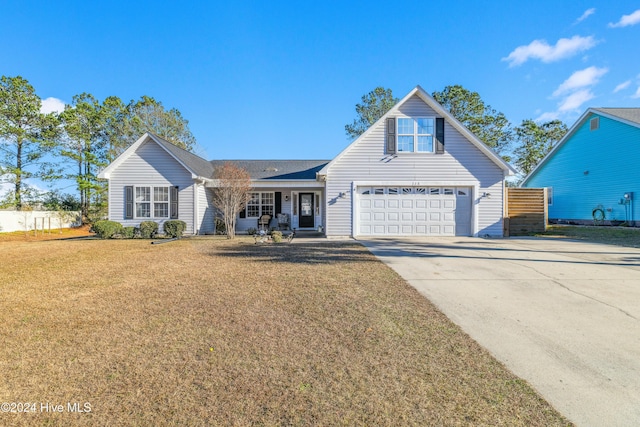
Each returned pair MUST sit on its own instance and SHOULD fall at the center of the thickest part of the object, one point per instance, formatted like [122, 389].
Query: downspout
[195, 208]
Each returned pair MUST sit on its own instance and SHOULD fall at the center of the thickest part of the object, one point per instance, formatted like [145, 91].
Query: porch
[301, 207]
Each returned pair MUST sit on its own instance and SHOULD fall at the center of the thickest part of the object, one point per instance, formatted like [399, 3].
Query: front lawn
[621, 236]
[215, 332]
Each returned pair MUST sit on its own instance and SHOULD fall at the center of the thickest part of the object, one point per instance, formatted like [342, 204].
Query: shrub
[107, 229]
[276, 236]
[221, 228]
[148, 229]
[174, 228]
[129, 232]
[251, 231]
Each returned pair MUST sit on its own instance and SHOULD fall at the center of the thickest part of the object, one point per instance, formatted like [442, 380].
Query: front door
[307, 217]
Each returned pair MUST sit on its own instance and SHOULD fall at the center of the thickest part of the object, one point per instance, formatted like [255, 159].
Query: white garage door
[409, 211]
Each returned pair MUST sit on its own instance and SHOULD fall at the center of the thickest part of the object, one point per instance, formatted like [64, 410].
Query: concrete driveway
[563, 315]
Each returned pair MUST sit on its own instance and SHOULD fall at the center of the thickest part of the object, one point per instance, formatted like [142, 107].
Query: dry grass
[215, 332]
[39, 235]
[619, 236]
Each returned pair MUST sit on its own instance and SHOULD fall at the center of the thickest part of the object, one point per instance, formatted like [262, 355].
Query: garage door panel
[414, 211]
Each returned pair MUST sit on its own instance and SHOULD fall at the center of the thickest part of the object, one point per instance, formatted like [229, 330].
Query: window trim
[261, 204]
[152, 202]
[415, 135]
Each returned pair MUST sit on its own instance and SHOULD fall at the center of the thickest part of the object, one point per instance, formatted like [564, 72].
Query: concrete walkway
[563, 315]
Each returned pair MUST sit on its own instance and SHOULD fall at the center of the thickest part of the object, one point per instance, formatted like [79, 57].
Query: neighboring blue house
[594, 171]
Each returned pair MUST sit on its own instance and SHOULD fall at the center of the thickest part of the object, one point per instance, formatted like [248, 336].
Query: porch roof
[278, 170]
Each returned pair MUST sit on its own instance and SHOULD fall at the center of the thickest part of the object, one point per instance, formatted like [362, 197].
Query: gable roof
[196, 165]
[630, 116]
[277, 169]
[441, 111]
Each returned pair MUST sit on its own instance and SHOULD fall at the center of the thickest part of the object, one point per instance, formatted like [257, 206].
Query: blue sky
[281, 79]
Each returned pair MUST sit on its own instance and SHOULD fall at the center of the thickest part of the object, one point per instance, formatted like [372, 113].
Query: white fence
[30, 220]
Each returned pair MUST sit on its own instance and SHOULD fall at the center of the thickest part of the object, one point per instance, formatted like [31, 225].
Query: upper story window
[415, 135]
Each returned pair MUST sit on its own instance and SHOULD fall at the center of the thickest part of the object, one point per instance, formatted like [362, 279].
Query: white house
[416, 172]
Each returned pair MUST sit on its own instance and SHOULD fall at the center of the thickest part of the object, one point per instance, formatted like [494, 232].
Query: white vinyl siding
[151, 166]
[206, 218]
[462, 165]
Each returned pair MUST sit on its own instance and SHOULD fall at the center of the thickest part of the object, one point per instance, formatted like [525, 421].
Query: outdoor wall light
[586, 172]
[342, 195]
[286, 198]
[487, 195]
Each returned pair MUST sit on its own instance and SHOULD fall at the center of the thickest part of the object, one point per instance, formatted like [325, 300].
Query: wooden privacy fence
[525, 211]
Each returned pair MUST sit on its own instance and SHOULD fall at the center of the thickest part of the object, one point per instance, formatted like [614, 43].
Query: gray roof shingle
[258, 169]
[630, 114]
[278, 169]
[197, 164]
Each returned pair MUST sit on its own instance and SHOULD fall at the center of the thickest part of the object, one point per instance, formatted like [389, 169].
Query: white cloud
[627, 20]
[582, 78]
[586, 14]
[547, 117]
[51, 105]
[637, 94]
[622, 86]
[575, 100]
[540, 49]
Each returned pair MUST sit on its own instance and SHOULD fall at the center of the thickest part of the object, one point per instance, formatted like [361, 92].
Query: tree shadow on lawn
[299, 253]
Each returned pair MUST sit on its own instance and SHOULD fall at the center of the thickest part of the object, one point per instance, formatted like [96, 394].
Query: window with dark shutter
[439, 135]
[174, 202]
[128, 202]
[391, 136]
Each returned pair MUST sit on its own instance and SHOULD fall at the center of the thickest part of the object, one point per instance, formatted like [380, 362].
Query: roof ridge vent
[271, 169]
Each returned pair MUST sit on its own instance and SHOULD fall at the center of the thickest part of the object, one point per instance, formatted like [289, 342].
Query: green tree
[149, 115]
[118, 132]
[84, 145]
[489, 125]
[26, 136]
[374, 105]
[535, 140]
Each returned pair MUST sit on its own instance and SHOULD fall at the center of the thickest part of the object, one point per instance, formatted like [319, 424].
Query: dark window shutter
[128, 202]
[278, 201]
[439, 135]
[390, 136]
[174, 202]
